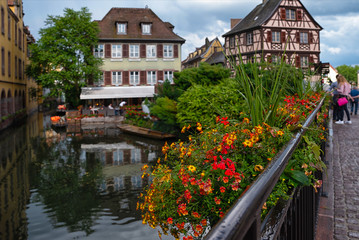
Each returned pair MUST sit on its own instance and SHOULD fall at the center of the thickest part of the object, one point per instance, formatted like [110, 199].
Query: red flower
[222, 189]
[204, 222]
[169, 220]
[217, 200]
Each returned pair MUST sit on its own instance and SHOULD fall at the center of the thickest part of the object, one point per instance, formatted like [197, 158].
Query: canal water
[83, 184]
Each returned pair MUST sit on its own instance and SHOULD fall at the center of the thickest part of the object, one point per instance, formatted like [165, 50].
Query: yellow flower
[183, 129]
[280, 133]
[247, 143]
[258, 168]
[150, 208]
[191, 168]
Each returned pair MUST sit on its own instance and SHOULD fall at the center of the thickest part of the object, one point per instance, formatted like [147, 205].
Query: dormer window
[121, 28]
[146, 28]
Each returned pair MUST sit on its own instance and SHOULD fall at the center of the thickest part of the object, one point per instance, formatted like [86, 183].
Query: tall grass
[263, 85]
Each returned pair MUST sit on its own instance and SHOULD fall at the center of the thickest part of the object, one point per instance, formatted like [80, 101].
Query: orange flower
[204, 222]
[199, 228]
[217, 200]
[196, 215]
[222, 189]
[225, 179]
[169, 220]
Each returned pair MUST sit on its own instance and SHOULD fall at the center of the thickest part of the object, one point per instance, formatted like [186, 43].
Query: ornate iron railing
[293, 219]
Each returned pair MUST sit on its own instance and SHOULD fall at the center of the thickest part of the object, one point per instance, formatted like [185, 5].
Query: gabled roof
[205, 47]
[161, 31]
[216, 58]
[259, 15]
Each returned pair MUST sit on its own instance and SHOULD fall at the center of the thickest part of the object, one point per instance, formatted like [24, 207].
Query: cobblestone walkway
[346, 179]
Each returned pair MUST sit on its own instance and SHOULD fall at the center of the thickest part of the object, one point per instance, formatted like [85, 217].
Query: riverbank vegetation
[235, 126]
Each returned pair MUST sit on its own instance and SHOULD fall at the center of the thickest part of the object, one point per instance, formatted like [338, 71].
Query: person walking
[343, 91]
[354, 93]
[335, 106]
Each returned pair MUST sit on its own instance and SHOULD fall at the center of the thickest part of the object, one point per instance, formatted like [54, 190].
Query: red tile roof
[161, 31]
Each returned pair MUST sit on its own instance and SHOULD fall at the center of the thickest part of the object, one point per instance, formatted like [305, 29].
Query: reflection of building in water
[14, 184]
[122, 163]
[15, 153]
[117, 154]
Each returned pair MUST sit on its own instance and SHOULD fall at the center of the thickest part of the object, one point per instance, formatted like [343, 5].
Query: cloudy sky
[194, 20]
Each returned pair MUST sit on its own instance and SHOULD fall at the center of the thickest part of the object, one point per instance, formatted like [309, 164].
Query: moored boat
[144, 132]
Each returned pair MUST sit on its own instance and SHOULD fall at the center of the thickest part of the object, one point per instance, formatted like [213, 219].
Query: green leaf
[300, 177]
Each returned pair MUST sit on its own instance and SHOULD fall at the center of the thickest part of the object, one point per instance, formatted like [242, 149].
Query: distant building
[14, 38]
[139, 51]
[275, 29]
[211, 52]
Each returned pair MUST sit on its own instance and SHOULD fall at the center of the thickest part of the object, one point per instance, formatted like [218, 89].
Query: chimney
[207, 43]
[235, 21]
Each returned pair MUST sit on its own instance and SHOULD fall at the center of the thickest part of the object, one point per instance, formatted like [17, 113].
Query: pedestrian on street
[335, 106]
[344, 91]
[354, 93]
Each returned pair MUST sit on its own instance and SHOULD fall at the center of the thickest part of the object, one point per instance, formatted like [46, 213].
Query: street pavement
[338, 216]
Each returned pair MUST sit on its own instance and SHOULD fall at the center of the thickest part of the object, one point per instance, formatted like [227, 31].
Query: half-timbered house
[275, 29]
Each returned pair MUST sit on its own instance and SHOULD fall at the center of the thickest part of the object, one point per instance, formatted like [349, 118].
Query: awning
[117, 92]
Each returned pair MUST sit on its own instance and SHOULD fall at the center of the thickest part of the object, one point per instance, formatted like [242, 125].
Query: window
[15, 34]
[3, 61]
[9, 26]
[116, 78]
[151, 51]
[276, 37]
[2, 21]
[168, 51]
[15, 66]
[20, 38]
[304, 61]
[116, 51]
[249, 38]
[146, 28]
[121, 28]
[304, 37]
[9, 63]
[290, 14]
[151, 77]
[20, 71]
[134, 78]
[168, 75]
[275, 59]
[231, 42]
[98, 51]
[134, 51]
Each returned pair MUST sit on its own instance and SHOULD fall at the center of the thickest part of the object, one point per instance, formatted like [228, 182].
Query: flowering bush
[138, 118]
[197, 181]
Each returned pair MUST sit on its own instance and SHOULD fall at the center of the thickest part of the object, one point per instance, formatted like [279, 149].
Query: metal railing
[243, 220]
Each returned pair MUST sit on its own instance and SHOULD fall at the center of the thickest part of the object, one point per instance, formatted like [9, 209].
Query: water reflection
[58, 185]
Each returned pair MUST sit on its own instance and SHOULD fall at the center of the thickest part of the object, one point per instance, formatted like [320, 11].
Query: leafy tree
[204, 103]
[349, 72]
[168, 90]
[62, 59]
[205, 74]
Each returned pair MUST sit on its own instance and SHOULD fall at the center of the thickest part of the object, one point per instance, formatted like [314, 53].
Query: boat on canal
[144, 132]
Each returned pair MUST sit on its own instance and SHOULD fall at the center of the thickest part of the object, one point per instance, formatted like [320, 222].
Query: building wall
[264, 47]
[13, 58]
